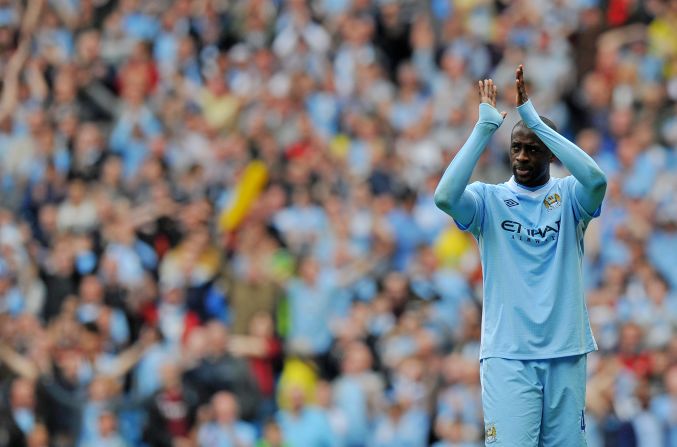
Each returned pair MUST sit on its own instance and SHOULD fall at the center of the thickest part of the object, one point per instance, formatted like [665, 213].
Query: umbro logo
[511, 203]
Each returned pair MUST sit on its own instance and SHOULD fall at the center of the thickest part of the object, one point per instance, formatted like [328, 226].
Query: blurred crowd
[217, 224]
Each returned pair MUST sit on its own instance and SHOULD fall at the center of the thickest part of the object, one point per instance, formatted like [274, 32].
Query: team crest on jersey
[490, 433]
[552, 201]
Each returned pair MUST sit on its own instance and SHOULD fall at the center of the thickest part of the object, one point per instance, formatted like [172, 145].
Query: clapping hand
[487, 90]
[520, 86]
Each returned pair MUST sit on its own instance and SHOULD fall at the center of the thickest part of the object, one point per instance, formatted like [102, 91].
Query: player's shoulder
[491, 191]
[563, 184]
[497, 189]
[563, 180]
[488, 187]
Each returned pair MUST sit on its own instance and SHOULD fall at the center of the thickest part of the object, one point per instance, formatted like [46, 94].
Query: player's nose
[521, 155]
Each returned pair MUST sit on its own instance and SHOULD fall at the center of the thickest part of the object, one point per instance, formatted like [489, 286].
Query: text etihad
[517, 228]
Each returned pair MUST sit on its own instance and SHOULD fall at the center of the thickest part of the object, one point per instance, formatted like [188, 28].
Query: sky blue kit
[535, 326]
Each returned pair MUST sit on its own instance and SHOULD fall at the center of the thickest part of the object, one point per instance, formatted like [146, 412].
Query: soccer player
[535, 327]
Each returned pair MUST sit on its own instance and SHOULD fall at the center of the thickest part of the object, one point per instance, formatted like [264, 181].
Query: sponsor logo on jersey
[535, 235]
[511, 202]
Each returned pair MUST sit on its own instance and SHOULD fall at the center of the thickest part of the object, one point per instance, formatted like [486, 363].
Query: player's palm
[488, 92]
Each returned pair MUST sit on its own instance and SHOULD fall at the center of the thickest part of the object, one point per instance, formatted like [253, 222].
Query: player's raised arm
[591, 181]
[451, 195]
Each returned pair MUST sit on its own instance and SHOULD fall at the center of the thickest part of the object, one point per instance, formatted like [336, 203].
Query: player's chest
[535, 219]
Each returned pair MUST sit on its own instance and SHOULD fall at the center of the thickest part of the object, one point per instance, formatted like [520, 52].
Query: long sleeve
[451, 195]
[591, 181]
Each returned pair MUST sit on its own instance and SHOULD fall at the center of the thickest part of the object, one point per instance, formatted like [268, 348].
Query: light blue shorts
[534, 403]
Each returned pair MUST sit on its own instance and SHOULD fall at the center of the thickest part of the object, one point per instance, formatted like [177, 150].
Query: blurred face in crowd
[324, 394]
[309, 270]
[198, 343]
[90, 342]
[261, 325]
[358, 359]
[112, 171]
[77, 191]
[6, 37]
[407, 77]
[68, 123]
[100, 389]
[297, 398]
[396, 287]
[91, 290]
[64, 86]
[39, 437]
[37, 120]
[217, 337]
[174, 296]
[87, 140]
[171, 376]
[107, 424]
[589, 140]
[671, 381]
[225, 408]
[357, 30]
[45, 137]
[272, 434]
[630, 339]
[5, 281]
[198, 239]
[88, 46]
[22, 394]
[453, 65]
[621, 122]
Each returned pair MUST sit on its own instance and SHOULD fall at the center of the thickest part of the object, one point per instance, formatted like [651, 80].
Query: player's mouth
[521, 172]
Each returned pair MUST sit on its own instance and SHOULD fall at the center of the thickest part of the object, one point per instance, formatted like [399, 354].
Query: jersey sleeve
[579, 211]
[477, 191]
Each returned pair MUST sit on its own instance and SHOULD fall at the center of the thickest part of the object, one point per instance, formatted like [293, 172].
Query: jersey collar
[519, 189]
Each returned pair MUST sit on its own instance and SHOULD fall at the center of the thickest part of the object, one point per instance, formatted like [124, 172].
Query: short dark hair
[546, 120]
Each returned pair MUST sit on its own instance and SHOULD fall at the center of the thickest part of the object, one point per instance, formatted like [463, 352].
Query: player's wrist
[489, 115]
[528, 114]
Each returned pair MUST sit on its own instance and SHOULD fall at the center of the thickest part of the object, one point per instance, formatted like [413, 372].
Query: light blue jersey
[535, 326]
[531, 243]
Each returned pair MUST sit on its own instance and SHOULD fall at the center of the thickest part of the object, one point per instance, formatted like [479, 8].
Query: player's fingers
[504, 114]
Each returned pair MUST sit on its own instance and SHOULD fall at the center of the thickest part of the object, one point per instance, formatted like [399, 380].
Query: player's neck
[533, 187]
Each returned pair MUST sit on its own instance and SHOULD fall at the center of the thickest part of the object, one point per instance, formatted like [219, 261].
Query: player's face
[529, 158]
